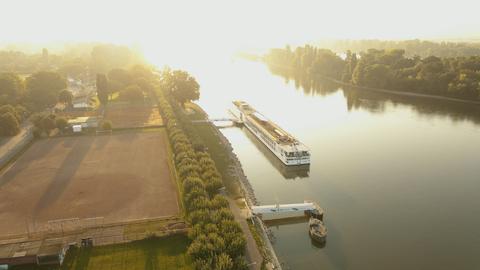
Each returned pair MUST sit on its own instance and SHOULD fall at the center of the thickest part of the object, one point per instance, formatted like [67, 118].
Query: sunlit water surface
[400, 180]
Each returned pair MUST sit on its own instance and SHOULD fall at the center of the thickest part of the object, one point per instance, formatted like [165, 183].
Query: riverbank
[237, 183]
[381, 90]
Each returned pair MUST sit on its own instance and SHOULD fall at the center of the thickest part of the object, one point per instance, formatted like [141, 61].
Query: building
[80, 124]
[41, 252]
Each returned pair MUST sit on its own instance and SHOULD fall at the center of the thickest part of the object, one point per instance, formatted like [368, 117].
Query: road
[12, 145]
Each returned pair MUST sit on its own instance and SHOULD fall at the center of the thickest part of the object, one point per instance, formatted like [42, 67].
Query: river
[399, 178]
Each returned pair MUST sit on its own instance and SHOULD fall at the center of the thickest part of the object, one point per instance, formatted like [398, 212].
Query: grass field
[149, 254]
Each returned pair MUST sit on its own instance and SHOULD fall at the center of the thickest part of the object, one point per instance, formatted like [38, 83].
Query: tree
[11, 86]
[377, 75]
[12, 110]
[132, 93]
[48, 123]
[114, 86]
[102, 88]
[120, 75]
[143, 84]
[65, 97]
[107, 125]
[43, 88]
[219, 202]
[141, 71]
[61, 123]
[223, 262]
[8, 124]
[183, 86]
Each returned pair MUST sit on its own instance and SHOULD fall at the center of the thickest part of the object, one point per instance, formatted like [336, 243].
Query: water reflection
[303, 81]
[376, 102]
[288, 172]
[319, 245]
[287, 221]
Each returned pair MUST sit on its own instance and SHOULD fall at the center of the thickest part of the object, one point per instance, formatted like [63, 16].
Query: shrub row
[217, 240]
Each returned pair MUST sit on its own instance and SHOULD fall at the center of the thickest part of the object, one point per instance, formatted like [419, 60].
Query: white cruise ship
[288, 149]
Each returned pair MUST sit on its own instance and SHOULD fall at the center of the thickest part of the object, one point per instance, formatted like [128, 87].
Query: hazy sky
[227, 25]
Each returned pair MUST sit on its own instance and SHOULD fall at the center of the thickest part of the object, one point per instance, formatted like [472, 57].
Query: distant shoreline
[388, 91]
[403, 93]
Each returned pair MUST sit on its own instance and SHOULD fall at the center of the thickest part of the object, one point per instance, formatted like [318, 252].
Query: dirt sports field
[120, 177]
[133, 115]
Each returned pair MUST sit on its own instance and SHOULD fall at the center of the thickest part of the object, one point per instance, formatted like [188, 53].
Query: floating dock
[282, 211]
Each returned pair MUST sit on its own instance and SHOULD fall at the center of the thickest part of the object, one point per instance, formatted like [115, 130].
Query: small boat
[317, 230]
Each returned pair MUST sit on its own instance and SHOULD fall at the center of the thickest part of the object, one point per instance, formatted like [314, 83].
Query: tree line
[75, 60]
[46, 84]
[131, 84]
[19, 97]
[217, 239]
[457, 77]
[422, 48]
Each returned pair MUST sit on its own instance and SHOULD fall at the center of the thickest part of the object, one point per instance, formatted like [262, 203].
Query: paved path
[11, 145]
[254, 256]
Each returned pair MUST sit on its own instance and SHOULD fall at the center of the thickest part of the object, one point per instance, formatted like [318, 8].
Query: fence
[73, 229]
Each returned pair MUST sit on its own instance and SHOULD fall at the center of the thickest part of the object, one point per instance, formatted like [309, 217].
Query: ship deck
[279, 135]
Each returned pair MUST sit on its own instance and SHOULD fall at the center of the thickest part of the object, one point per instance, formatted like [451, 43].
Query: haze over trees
[422, 48]
[130, 84]
[11, 87]
[9, 120]
[74, 60]
[43, 88]
[457, 77]
[37, 81]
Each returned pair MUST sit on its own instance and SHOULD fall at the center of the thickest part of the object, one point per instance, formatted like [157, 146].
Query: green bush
[8, 124]
[188, 170]
[212, 185]
[61, 123]
[219, 202]
[191, 183]
[107, 125]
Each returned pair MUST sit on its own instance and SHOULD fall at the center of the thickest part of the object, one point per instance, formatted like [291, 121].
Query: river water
[399, 178]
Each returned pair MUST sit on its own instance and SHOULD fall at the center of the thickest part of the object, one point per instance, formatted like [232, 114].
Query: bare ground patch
[119, 177]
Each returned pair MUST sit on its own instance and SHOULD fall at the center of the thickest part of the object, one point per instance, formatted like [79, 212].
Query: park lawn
[148, 254]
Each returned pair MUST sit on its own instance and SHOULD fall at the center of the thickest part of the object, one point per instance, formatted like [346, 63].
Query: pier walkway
[216, 120]
[284, 208]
